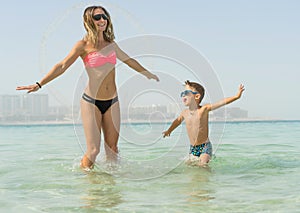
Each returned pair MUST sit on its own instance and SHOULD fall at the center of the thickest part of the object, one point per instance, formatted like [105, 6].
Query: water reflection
[102, 192]
[198, 187]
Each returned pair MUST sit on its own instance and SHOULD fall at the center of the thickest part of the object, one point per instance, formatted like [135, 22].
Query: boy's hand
[241, 90]
[166, 134]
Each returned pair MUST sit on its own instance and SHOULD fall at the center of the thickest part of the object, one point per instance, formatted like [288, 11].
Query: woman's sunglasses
[97, 17]
[186, 92]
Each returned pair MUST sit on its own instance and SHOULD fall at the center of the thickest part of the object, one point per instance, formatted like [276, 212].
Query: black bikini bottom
[103, 106]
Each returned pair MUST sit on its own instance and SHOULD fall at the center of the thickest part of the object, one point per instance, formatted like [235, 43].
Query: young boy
[196, 119]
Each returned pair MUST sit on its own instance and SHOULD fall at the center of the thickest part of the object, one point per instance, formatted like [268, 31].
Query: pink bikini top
[96, 59]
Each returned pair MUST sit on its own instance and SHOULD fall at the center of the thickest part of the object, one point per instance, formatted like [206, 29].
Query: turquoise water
[256, 168]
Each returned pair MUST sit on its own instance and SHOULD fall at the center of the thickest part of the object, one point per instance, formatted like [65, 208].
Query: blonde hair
[92, 29]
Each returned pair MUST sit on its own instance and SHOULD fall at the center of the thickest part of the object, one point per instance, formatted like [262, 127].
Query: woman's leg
[91, 120]
[111, 129]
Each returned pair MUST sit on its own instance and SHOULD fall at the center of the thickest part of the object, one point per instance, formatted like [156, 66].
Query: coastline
[136, 122]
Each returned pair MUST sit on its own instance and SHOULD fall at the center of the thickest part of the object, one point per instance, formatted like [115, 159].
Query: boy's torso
[197, 125]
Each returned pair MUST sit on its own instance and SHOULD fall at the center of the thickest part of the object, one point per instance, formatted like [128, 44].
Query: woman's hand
[30, 88]
[150, 75]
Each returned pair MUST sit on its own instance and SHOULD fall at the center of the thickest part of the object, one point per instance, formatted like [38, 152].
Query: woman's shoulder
[113, 43]
[81, 44]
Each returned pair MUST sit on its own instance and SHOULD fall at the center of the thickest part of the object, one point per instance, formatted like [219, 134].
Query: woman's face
[100, 19]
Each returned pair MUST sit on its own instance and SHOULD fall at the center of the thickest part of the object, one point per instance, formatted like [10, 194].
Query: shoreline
[136, 122]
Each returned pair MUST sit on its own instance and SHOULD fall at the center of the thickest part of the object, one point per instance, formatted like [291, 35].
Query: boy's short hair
[199, 88]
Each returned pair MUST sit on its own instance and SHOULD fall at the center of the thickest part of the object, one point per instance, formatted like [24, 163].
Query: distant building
[23, 107]
[174, 110]
[31, 107]
[229, 113]
[35, 107]
[10, 105]
[154, 112]
[146, 112]
[170, 112]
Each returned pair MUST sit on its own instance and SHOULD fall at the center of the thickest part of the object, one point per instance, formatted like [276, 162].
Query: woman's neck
[101, 40]
[101, 37]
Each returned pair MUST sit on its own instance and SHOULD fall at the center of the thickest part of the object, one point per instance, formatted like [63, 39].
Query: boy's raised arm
[227, 100]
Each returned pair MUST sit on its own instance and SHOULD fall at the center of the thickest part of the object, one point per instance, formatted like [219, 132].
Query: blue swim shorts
[197, 150]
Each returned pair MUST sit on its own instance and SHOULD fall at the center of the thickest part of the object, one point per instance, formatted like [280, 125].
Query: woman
[99, 104]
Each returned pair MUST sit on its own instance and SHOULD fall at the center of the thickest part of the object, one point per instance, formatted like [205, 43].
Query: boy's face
[189, 98]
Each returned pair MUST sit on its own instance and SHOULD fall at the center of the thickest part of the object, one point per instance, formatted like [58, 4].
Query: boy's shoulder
[205, 106]
[204, 109]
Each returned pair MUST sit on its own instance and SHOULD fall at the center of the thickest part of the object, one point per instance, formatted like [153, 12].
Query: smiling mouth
[102, 25]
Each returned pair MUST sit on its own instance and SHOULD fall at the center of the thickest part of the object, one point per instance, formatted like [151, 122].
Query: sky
[254, 42]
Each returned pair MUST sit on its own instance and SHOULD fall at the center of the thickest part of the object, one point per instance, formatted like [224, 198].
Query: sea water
[255, 168]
